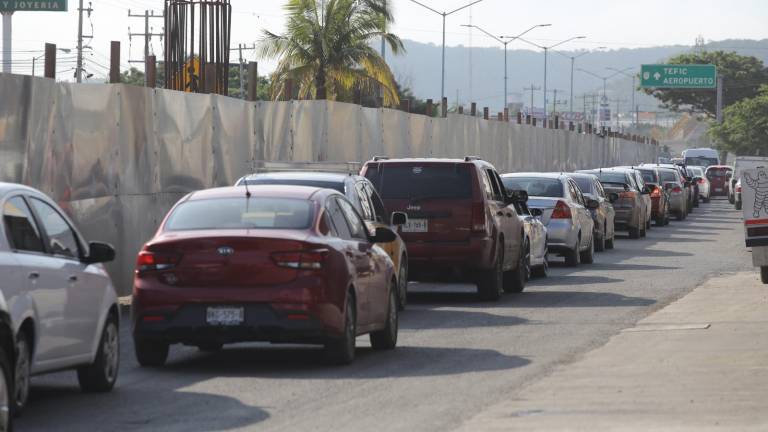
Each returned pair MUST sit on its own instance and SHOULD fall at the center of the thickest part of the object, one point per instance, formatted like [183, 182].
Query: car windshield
[717, 172]
[649, 176]
[337, 186]
[536, 187]
[585, 184]
[701, 161]
[695, 172]
[667, 176]
[425, 181]
[241, 213]
[612, 177]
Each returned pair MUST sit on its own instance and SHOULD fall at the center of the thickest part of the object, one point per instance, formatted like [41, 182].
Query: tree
[742, 75]
[744, 130]
[132, 76]
[327, 49]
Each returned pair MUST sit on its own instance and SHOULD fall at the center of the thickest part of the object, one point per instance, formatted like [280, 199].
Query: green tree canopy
[742, 75]
[744, 130]
[327, 49]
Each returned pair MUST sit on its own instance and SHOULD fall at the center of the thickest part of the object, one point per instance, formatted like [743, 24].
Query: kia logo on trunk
[226, 251]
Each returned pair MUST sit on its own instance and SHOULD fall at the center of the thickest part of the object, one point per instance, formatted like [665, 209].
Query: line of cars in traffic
[304, 254]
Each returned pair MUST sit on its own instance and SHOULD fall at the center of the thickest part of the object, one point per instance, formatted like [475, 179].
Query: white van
[701, 157]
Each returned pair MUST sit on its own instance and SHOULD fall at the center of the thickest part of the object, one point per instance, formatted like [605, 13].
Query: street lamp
[35, 59]
[546, 51]
[444, 14]
[507, 42]
[634, 89]
[573, 62]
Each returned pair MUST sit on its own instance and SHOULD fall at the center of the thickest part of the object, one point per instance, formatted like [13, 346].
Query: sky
[610, 23]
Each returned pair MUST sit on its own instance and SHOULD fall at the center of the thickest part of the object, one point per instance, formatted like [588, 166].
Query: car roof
[469, 160]
[302, 175]
[535, 175]
[581, 175]
[6, 188]
[272, 191]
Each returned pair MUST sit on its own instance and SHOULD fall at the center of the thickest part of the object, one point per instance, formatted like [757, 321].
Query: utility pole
[147, 35]
[532, 89]
[240, 48]
[80, 37]
[720, 82]
[618, 102]
[555, 102]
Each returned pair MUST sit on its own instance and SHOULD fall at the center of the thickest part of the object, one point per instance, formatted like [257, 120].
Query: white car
[705, 187]
[61, 300]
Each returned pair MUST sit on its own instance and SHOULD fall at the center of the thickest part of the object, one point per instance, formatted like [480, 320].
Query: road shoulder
[699, 364]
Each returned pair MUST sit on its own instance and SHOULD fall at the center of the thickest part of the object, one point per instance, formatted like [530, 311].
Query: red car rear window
[717, 172]
[241, 213]
[422, 181]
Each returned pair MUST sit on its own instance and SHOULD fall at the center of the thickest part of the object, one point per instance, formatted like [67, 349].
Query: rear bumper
[561, 234]
[677, 203]
[262, 323]
[473, 254]
[627, 218]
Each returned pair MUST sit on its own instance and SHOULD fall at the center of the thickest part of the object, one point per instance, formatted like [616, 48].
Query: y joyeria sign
[33, 5]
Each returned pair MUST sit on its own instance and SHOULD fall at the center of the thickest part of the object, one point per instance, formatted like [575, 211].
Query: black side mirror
[613, 197]
[593, 204]
[535, 212]
[626, 187]
[646, 190]
[519, 196]
[384, 235]
[399, 218]
[99, 253]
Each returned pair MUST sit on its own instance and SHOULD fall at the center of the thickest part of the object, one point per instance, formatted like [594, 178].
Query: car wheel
[514, 281]
[386, 339]
[542, 271]
[643, 232]
[588, 256]
[341, 351]
[22, 373]
[490, 285]
[634, 233]
[731, 200]
[611, 242]
[707, 200]
[573, 256]
[764, 274]
[150, 353]
[6, 391]
[738, 205]
[402, 284]
[100, 376]
[599, 242]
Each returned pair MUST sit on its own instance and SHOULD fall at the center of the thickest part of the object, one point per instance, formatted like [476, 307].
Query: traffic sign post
[669, 76]
[8, 7]
[33, 5]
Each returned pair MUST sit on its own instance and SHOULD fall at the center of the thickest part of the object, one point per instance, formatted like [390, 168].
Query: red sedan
[280, 264]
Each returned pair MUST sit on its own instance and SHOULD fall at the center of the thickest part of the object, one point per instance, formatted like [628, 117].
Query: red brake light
[627, 195]
[561, 211]
[656, 193]
[677, 189]
[738, 188]
[701, 181]
[149, 261]
[306, 260]
[478, 217]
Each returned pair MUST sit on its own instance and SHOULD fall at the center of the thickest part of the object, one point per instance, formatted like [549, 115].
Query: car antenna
[247, 191]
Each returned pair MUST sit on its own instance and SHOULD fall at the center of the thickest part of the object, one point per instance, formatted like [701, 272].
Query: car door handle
[34, 275]
[73, 278]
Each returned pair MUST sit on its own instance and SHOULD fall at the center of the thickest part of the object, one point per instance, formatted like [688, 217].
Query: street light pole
[633, 76]
[605, 82]
[573, 64]
[506, 43]
[444, 15]
[546, 49]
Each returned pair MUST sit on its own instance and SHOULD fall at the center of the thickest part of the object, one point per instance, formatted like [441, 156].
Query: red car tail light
[561, 211]
[478, 217]
[738, 188]
[306, 260]
[702, 181]
[152, 261]
[677, 189]
[627, 195]
[656, 193]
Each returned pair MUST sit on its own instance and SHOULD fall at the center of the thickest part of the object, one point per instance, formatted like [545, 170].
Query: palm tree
[327, 49]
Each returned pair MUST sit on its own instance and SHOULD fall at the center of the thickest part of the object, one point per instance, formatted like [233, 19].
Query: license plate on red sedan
[225, 316]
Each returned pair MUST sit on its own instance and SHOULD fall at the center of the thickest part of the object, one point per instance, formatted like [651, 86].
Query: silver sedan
[565, 213]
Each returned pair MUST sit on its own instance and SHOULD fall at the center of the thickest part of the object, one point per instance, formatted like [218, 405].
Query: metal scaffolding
[197, 36]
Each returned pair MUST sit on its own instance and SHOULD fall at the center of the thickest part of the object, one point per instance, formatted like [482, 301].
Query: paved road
[456, 357]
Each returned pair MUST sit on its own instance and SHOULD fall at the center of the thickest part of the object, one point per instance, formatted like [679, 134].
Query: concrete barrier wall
[118, 157]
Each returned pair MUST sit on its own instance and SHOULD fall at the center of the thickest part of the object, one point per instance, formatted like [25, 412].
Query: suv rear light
[738, 188]
[702, 181]
[561, 211]
[307, 260]
[677, 189]
[478, 218]
[656, 193]
[627, 195]
[154, 261]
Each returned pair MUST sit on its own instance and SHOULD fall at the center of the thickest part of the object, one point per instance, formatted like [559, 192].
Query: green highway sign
[33, 5]
[669, 76]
